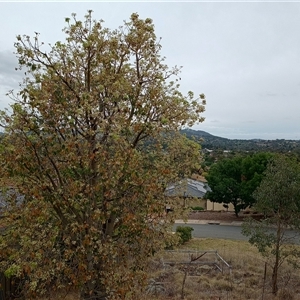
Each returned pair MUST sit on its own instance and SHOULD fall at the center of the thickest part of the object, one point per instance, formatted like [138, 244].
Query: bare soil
[224, 216]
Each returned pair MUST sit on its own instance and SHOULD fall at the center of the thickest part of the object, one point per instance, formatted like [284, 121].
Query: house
[188, 188]
[193, 191]
[215, 206]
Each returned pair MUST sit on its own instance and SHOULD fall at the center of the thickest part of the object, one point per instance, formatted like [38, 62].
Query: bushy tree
[252, 172]
[91, 142]
[224, 179]
[185, 233]
[278, 198]
[233, 180]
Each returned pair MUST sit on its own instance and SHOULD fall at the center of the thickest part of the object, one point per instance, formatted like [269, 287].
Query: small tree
[278, 198]
[92, 141]
[185, 233]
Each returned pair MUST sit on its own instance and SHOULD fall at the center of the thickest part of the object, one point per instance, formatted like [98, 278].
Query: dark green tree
[233, 180]
[224, 179]
[252, 172]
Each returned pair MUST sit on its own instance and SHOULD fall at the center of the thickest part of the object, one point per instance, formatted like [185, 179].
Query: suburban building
[189, 189]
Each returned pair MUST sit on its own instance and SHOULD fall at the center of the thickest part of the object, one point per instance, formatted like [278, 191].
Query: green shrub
[185, 233]
[198, 208]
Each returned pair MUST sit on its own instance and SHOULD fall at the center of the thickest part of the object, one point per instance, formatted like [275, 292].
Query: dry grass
[246, 281]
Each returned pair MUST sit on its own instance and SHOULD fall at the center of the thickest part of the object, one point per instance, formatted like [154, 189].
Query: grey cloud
[243, 56]
[268, 94]
[9, 77]
[8, 62]
[249, 122]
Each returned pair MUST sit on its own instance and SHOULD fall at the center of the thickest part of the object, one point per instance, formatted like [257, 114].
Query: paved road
[225, 232]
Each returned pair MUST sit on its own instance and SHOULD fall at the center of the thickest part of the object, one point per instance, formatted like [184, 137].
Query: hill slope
[213, 142]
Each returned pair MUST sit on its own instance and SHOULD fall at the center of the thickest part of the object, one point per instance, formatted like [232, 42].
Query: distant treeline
[212, 142]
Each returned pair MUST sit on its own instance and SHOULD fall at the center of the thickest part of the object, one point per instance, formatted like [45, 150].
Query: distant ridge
[213, 142]
[197, 132]
[202, 135]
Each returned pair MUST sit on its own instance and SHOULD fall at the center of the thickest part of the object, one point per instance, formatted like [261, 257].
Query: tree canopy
[233, 180]
[91, 141]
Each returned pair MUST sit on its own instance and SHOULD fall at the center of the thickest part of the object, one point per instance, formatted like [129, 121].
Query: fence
[196, 257]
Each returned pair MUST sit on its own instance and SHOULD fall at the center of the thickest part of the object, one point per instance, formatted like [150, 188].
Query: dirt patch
[224, 216]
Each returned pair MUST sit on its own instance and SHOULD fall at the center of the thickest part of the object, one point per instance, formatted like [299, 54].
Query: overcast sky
[244, 56]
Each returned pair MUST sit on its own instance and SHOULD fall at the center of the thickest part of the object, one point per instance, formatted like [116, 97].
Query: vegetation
[278, 197]
[92, 141]
[233, 180]
[217, 143]
[247, 279]
[185, 233]
[197, 208]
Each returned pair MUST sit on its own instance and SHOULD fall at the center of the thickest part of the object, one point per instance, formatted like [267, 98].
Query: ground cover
[222, 216]
[250, 276]
[247, 279]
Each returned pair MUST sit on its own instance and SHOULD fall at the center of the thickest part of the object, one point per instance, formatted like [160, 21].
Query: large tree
[233, 180]
[252, 172]
[278, 198]
[91, 142]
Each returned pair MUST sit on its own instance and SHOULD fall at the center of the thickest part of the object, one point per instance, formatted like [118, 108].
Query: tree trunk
[276, 264]
[236, 209]
[94, 289]
[274, 279]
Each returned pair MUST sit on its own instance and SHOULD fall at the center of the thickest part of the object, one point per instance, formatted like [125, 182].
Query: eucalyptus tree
[278, 198]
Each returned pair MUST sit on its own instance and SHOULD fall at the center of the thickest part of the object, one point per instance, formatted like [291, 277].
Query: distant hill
[200, 134]
[213, 142]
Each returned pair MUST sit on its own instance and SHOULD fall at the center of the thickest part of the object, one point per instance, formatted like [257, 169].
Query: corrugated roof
[187, 188]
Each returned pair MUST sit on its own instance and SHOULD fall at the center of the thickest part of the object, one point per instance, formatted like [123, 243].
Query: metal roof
[187, 188]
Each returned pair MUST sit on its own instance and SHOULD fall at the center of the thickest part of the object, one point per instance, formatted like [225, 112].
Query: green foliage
[77, 147]
[185, 233]
[197, 208]
[278, 198]
[258, 235]
[233, 180]
[278, 195]
[12, 270]
[219, 144]
[252, 169]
